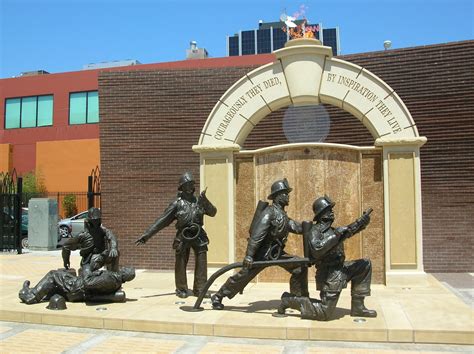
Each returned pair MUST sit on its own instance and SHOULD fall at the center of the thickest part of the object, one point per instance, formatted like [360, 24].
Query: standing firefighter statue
[326, 245]
[188, 211]
[268, 234]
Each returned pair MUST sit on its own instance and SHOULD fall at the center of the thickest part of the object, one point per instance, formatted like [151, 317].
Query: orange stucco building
[64, 152]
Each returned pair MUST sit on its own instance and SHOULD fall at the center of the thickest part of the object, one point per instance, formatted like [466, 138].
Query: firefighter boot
[26, 294]
[359, 310]
[216, 300]
[288, 301]
[42, 290]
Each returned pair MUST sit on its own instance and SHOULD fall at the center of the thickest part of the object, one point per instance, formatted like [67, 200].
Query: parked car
[24, 227]
[72, 226]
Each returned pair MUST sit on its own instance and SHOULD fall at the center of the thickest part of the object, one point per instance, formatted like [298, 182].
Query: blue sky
[63, 35]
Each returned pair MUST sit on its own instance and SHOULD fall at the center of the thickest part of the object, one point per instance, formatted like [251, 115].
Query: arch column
[402, 203]
[217, 174]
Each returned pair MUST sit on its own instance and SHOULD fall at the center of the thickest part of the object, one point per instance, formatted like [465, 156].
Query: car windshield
[82, 215]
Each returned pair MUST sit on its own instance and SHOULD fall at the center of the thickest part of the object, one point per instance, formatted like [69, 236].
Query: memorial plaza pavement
[424, 313]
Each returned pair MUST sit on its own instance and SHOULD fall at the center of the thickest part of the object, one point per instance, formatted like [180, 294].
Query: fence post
[19, 192]
[90, 193]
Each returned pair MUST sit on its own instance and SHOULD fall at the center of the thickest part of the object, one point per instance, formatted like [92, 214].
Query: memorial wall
[152, 119]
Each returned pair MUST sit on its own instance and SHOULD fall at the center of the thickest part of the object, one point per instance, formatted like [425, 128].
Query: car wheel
[24, 242]
[63, 232]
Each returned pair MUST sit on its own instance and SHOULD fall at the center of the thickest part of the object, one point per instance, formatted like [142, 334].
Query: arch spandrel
[368, 98]
[243, 105]
[287, 81]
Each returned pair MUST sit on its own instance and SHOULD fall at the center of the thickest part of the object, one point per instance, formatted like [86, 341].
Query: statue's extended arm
[69, 244]
[295, 227]
[357, 226]
[164, 220]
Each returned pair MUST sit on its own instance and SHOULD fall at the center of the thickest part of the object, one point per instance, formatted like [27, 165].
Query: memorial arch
[303, 73]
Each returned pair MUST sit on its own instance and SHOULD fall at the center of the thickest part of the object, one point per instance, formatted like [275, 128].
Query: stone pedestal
[42, 224]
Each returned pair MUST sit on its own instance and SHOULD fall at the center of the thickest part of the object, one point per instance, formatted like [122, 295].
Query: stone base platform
[411, 309]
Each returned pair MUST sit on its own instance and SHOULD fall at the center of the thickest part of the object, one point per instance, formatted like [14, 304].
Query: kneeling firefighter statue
[326, 247]
[188, 211]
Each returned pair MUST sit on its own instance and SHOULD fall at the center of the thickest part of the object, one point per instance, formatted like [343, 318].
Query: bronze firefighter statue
[97, 244]
[268, 234]
[326, 245]
[188, 211]
[96, 286]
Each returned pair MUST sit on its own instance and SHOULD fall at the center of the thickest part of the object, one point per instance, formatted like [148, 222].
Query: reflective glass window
[29, 112]
[92, 107]
[279, 38]
[83, 107]
[45, 111]
[12, 113]
[264, 41]
[248, 42]
[234, 46]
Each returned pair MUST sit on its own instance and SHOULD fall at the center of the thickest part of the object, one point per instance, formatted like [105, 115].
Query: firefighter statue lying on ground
[326, 246]
[96, 286]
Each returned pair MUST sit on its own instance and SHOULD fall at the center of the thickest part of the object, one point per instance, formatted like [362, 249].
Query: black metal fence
[10, 211]
[93, 189]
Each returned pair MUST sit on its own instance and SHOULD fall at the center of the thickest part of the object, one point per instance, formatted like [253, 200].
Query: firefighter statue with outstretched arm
[188, 211]
[326, 245]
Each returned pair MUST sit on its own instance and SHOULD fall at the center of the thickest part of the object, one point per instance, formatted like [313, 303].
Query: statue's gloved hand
[364, 220]
[202, 197]
[141, 241]
[66, 264]
[248, 262]
[113, 253]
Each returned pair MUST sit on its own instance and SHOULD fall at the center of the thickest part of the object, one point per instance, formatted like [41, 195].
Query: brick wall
[151, 119]
[149, 122]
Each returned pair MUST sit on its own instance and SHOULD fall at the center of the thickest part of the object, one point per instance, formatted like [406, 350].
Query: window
[248, 42]
[330, 39]
[29, 112]
[233, 45]
[279, 38]
[264, 41]
[83, 107]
